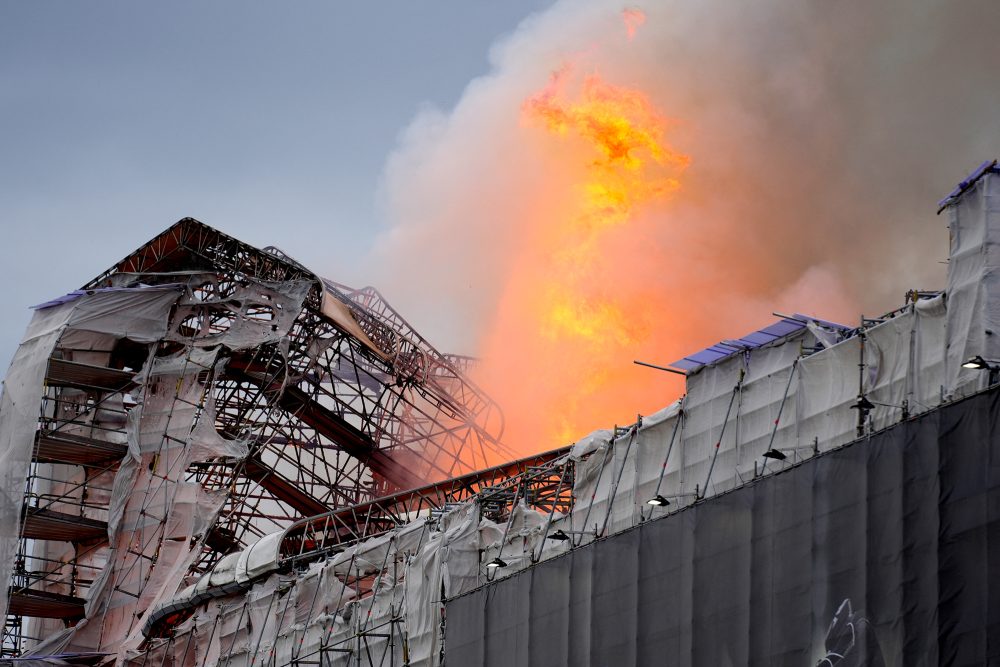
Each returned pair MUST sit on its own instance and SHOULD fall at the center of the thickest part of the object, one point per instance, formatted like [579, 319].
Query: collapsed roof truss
[349, 406]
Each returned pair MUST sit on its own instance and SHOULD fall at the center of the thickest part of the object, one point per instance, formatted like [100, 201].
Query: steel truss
[541, 483]
[352, 406]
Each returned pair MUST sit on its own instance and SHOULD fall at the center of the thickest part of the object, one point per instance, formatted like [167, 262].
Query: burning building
[216, 457]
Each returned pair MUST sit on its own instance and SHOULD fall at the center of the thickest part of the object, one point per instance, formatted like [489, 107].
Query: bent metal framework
[214, 456]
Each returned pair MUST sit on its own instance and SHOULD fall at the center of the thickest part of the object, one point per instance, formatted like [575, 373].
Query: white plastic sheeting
[156, 517]
[170, 431]
[813, 395]
[325, 615]
[83, 318]
[973, 283]
[258, 313]
[380, 599]
[905, 361]
[159, 511]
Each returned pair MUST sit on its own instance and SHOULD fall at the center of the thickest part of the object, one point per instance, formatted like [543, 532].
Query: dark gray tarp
[883, 552]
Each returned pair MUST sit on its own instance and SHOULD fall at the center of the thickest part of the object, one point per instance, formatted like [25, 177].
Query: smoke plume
[820, 135]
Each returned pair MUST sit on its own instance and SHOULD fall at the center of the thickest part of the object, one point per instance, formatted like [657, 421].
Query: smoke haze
[820, 136]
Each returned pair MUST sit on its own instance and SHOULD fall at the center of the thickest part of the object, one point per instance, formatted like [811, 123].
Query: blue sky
[272, 121]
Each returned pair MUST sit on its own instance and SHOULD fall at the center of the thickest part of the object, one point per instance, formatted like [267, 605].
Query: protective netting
[878, 553]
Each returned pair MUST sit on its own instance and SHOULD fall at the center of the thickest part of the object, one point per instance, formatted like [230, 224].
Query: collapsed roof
[201, 394]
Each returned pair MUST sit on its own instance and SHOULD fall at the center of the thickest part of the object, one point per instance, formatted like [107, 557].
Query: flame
[568, 326]
[633, 18]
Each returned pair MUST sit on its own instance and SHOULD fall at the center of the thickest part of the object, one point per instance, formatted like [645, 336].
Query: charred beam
[282, 489]
[376, 516]
[327, 423]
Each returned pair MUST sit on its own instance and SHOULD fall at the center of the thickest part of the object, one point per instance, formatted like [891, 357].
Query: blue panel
[706, 356]
[758, 338]
[755, 339]
[782, 327]
[968, 182]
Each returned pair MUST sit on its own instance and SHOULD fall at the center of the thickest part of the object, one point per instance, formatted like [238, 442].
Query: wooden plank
[42, 604]
[46, 524]
[56, 447]
[63, 373]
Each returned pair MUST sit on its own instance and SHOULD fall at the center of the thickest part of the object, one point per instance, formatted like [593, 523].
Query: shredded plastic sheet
[89, 316]
[261, 312]
[151, 542]
[323, 617]
[156, 517]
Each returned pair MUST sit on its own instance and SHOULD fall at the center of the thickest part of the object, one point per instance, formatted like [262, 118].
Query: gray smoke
[821, 134]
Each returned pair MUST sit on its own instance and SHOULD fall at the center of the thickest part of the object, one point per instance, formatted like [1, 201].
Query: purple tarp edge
[825, 323]
[752, 340]
[967, 182]
[76, 294]
[758, 338]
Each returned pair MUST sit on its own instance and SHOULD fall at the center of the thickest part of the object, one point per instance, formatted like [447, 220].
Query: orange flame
[565, 316]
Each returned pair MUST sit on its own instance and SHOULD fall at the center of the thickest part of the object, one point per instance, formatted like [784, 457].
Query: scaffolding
[257, 395]
[308, 596]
